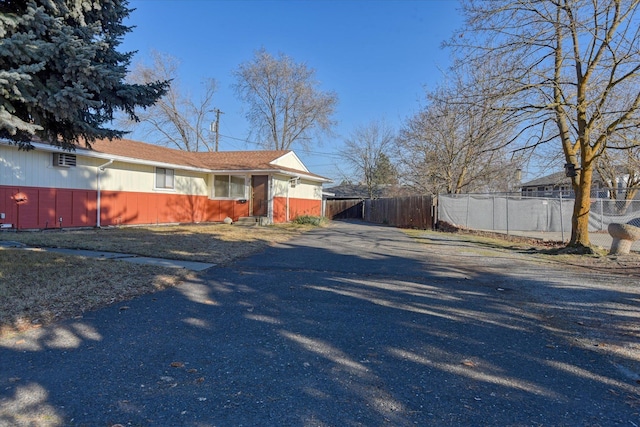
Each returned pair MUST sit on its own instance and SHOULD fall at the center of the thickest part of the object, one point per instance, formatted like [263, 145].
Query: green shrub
[310, 220]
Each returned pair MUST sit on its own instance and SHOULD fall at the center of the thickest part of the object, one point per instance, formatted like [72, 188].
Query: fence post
[466, 221]
[434, 211]
[507, 204]
[561, 219]
[493, 213]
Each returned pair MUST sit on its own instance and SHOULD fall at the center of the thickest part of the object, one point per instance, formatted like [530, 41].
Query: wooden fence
[344, 209]
[405, 212]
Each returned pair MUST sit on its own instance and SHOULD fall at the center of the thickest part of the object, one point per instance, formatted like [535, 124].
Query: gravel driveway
[351, 325]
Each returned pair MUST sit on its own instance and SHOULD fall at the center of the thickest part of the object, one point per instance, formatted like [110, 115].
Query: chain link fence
[545, 218]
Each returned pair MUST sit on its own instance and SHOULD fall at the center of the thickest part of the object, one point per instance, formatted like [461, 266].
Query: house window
[228, 186]
[64, 160]
[565, 190]
[164, 178]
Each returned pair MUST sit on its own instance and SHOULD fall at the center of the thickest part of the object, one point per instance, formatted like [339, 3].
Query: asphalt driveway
[351, 325]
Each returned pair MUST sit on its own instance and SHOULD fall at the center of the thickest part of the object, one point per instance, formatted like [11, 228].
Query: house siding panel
[118, 176]
[64, 210]
[290, 160]
[303, 190]
[71, 192]
[8, 206]
[35, 168]
[29, 212]
[46, 208]
[145, 206]
[78, 208]
[83, 212]
[297, 207]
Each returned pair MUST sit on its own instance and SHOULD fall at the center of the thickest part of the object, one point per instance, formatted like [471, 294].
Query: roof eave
[99, 155]
[105, 156]
[300, 174]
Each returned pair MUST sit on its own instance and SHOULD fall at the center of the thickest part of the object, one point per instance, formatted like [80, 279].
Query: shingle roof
[241, 159]
[553, 179]
[221, 160]
[207, 160]
[556, 179]
[360, 191]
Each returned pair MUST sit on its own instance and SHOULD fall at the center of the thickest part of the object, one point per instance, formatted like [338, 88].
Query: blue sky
[378, 56]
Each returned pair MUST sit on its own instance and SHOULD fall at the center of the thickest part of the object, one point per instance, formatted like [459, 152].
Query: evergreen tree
[384, 172]
[61, 77]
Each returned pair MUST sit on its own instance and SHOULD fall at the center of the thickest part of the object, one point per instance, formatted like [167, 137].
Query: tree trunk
[581, 208]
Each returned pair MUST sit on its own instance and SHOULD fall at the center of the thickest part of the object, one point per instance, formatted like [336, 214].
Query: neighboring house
[558, 184]
[554, 185]
[123, 182]
[360, 191]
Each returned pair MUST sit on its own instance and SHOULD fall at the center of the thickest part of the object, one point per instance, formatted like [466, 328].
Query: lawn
[38, 287]
[213, 243]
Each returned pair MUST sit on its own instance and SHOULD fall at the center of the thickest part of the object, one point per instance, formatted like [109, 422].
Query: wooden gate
[406, 212]
[344, 209]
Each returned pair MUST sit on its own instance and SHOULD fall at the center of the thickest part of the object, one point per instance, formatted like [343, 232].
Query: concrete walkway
[351, 325]
[136, 259]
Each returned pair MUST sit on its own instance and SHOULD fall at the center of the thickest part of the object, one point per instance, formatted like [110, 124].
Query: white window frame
[228, 194]
[162, 173]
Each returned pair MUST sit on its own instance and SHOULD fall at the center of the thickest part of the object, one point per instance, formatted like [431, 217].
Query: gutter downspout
[98, 172]
[270, 204]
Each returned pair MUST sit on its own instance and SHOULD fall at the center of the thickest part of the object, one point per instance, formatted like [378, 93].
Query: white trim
[270, 199]
[246, 186]
[290, 153]
[269, 172]
[98, 155]
[173, 179]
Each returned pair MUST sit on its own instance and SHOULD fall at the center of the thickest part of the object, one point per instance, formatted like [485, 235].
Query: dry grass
[41, 287]
[213, 243]
[38, 287]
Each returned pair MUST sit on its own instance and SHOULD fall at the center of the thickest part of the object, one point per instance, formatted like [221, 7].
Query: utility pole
[218, 112]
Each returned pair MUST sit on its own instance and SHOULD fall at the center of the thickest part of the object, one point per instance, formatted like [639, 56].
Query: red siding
[64, 207]
[8, 206]
[83, 208]
[46, 209]
[297, 207]
[45, 206]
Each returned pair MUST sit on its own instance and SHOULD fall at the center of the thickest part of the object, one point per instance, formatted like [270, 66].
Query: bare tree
[285, 105]
[176, 120]
[620, 170]
[454, 145]
[367, 150]
[570, 64]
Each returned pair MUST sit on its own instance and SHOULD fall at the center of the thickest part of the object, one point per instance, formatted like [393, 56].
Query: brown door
[259, 194]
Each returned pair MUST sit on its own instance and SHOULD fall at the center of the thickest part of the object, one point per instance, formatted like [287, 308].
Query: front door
[259, 194]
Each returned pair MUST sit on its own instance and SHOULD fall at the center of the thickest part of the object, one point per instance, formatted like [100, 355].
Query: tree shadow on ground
[350, 325]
